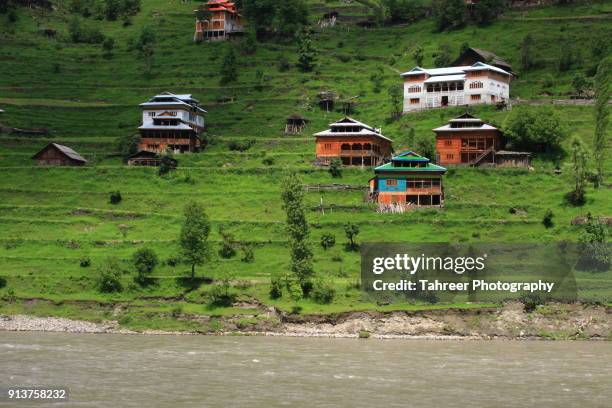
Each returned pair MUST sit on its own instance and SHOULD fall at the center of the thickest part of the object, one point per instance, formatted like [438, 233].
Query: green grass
[51, 218]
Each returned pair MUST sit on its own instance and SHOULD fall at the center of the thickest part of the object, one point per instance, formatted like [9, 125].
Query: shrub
[248, 255]
[227, 245]
[328, 241]
[335, 168]
[534, 129]
[80, 33]
[241, 146]
[2, 282]
[109, 278]
[173, 261]
[220, 294]
[144, 260]
[166, 165]
[85, 262]
[547, 221]
[277, 281]
[351, 231]
[323, 290]
[268, 161]
[115, 197]
[531, 301]
[364, 334]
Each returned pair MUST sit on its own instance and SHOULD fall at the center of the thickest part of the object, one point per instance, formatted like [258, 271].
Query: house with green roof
[409, 180]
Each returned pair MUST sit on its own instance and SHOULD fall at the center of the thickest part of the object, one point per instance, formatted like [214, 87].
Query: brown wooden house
[58, 155]
[354, 143]
[466, 140]
[474, 55]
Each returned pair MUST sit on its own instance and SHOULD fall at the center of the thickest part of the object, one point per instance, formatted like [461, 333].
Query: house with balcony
[479, 83]
[468, 141]
[353, 142]
[409, 180]
[217, 20]
[171, 122]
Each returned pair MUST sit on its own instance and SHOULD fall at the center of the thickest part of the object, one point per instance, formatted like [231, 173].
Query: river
[206, 371]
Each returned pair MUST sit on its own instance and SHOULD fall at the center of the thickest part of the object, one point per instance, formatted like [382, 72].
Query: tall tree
[418, 55]
[194, 235]
[527, 52]
[580, 158]
[602, 112]
[396, 93]
[443, 56]
[298, 231]
[229, 71]
[306, 52]
[146, 48]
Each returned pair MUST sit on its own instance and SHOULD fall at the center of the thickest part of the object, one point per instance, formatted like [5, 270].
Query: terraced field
[51, 218]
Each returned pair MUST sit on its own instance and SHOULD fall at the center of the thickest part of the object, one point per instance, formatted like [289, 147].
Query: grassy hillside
[51, 218]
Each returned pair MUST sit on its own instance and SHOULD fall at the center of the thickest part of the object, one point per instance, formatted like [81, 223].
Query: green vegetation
[51, 219]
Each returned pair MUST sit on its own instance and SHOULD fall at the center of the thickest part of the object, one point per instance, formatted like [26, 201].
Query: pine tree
[298, 231]
[526, 52]
[602, 110]
[579, 171]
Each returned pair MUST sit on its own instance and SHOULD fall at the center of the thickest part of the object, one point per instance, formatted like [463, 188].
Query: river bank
[511, 321]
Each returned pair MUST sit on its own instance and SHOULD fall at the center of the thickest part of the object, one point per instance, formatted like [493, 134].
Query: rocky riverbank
[552, 321]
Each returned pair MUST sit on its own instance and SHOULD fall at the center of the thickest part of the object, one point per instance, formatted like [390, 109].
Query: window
[448, 143]
[475, 97]
[327, 146]
[151, 114]
[391, 182]
[476, 85]
[450, 156]
[414, 101]
[414, 89]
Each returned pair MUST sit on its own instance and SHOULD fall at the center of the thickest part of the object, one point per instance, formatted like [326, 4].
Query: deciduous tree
[194, 235]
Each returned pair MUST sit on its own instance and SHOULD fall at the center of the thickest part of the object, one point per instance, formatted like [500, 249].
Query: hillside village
[389, 126]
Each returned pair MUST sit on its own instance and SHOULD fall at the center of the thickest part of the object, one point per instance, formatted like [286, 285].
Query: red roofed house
[217, 20]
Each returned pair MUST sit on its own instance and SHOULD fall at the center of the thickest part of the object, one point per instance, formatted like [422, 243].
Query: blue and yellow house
[409, 180]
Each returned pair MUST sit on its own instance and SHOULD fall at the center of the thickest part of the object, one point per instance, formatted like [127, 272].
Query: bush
[248, 255]
[80, 33]
[547, 221]
[144, 260]
[268, 161]
[277, 282]
[85, 262]
[2, 282]
[335, 168]
[531, 301]
[115, 197]
[166, 165]
[364, 334]
[534, 129]
[241, 146]
[328, 241]
[227, 246]
[109, 278]
[323, 290]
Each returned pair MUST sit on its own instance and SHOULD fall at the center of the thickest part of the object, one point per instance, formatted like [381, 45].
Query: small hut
[58, 155]
[326, 100]
[295, 124]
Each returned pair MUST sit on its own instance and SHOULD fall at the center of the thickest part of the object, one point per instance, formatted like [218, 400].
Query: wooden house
[173, 122]
[473, 55]
[58, 155]
[469, 141]
[295, 124]
[408, 181]
[145, 158]
[354, 143]
[479, 83]
[466, 140]
[217, 20]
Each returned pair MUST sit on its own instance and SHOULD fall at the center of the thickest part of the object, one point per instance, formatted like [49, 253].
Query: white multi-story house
[172, 122]
[426, 88]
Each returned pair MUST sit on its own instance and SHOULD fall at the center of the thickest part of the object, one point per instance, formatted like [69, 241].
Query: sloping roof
[175, 99]
[453, 70]
[67, 151]
[409, 156]
[347, 121]
[296, 116]
[487, 56]
[445, 78]
[465, 118]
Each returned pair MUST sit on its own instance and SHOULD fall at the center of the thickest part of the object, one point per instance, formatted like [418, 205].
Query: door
[445, 101]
